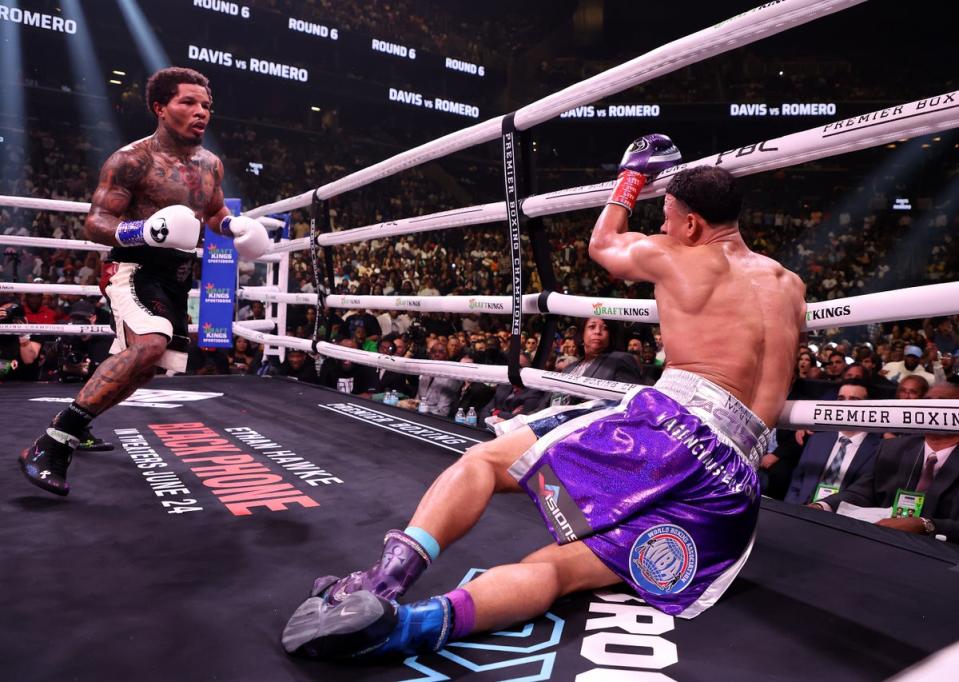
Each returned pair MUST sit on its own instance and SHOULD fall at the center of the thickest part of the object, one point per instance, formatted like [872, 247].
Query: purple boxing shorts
[662, 486]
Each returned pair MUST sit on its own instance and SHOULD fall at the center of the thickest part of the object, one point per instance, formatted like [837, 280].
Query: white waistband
[720, 410]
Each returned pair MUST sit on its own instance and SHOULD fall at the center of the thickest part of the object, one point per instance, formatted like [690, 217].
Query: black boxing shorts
[147, 300]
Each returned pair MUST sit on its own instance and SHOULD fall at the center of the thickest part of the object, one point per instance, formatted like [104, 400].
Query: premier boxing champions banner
[218, 287]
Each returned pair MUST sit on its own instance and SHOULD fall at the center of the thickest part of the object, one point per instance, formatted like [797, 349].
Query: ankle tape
[63, 437]
[410, 542]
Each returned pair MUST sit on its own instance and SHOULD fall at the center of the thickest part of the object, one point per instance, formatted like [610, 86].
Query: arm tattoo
[119, 178]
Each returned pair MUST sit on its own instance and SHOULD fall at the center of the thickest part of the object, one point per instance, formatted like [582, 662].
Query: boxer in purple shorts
[658, 490]
[672, 519]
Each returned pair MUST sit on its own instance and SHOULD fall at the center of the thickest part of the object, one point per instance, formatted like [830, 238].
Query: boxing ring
[201, 568]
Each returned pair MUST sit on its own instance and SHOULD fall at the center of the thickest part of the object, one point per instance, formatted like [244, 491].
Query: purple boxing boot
[403, 561]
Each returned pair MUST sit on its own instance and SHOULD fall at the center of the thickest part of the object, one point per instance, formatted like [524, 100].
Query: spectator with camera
[19, 354]
[76, 357]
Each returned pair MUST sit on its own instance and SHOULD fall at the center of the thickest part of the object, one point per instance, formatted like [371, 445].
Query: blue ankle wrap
[427, 541]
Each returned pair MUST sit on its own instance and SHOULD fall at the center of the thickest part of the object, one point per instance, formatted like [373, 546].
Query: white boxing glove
[173, 227]
[249, 237]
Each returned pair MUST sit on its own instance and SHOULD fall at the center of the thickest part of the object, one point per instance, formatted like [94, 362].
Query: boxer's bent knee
[148, 348]
[499, 455]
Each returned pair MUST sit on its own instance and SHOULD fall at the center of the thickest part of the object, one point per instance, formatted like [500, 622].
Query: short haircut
[920, 380]
[857, 382]
[162, 86]
[710, 191]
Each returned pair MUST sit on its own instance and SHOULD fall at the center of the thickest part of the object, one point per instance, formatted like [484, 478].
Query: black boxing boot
[402, 562]
[91, 443]
[45, 462]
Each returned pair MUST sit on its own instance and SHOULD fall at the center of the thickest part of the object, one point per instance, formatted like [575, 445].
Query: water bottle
[391, 398]
[460, 418]
[424, 407]
[471, 417]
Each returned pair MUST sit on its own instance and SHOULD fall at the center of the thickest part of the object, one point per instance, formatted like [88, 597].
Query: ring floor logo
[146, 397]
[527, 659]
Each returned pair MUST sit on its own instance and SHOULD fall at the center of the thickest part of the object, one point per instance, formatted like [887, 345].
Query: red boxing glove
[628, 186]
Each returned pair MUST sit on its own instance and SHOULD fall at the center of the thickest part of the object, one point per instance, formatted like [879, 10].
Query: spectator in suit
[911, 388]
[387, 380]
[926, 464]
[476, 394]
[509, 401]
[834, 459]
[439, 393]
[598, 361]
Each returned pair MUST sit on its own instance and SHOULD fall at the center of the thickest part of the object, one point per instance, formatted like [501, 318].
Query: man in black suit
[927, 464]
[833, 459]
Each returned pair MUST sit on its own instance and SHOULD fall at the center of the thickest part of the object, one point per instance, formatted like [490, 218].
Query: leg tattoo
[115, 379]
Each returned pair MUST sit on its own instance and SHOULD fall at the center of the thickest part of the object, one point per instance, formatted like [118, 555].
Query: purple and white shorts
[661, 486]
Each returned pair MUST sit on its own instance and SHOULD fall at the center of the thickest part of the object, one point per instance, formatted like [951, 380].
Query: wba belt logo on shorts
[663, 560]
[569, 524]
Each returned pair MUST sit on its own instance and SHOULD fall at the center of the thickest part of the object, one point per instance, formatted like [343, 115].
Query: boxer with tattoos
[152, 198]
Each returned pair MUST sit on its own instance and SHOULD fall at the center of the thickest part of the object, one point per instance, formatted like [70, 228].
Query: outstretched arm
[118, 178]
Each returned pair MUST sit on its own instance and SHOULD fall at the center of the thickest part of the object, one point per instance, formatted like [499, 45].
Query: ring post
[320, 223]
[513, 218]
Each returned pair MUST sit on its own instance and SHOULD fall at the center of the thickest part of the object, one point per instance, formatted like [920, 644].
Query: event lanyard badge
[908, 503]
[823, 491]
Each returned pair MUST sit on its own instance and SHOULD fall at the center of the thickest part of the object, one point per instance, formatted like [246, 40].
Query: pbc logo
[746, 151]
[159, 231]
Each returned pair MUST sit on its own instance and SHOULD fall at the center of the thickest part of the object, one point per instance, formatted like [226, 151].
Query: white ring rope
[740, 30]
[912, 119]
[56, 205]
[51, 243]
[105, 330]
[823, 415]
[82, 245]
[930, 300]
[60, 289]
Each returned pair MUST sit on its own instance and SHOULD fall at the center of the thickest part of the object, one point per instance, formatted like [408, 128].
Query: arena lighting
[96, 114]
[912, 251]
[114, 82]
[314, 109]
[12, 112]
[119, 73]
[897, 164]
[152, 53]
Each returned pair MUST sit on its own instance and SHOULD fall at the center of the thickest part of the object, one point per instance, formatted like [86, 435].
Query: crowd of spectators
[838, 253]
